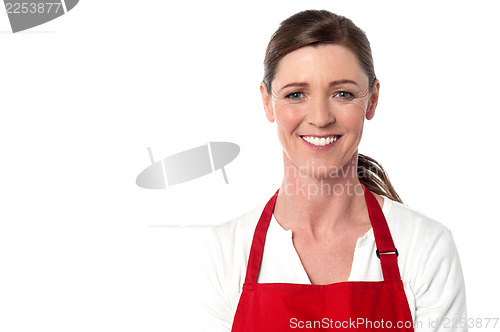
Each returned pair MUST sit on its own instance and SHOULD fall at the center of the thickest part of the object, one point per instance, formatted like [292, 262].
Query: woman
[334, 247]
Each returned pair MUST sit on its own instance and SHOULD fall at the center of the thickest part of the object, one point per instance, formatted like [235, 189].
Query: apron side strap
[390, 270]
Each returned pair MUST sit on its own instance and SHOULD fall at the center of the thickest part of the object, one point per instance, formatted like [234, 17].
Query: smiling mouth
[321, 141]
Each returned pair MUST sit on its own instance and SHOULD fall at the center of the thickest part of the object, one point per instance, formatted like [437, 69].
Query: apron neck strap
[259, 239]
[386, 250]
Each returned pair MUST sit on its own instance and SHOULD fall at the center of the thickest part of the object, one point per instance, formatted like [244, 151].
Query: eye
[295, 96]
[345, 95]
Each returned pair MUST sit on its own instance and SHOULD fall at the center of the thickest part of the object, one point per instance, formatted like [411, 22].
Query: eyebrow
[306, 85]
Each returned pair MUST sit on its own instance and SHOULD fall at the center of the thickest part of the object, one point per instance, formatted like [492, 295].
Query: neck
[307, 202]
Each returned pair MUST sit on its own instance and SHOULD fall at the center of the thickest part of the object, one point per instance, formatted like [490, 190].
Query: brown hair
[311, 27]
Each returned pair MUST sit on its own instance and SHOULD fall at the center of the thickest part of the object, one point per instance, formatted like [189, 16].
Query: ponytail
[374, 177]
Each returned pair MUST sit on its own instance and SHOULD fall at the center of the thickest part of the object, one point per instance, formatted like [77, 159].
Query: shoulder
[233, 238]
[237, 232]
[224, 266]
[240, 224]
[418, 236]
[409, 224]
[227, 250]
[424, 244]
[429, 264]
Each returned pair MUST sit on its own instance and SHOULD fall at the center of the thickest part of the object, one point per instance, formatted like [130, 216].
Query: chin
[318, 171]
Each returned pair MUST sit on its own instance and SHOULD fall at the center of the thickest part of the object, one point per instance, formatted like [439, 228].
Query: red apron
[350, 306]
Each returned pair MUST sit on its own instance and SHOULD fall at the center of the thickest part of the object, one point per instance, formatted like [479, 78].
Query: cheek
[288, 117]
[352, 118]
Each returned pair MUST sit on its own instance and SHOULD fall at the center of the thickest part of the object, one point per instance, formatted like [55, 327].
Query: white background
[82, 248]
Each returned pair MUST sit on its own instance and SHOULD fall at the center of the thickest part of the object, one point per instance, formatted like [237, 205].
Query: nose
[321, 113]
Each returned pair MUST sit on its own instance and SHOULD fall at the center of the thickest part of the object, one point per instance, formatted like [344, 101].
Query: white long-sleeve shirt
[428, 262]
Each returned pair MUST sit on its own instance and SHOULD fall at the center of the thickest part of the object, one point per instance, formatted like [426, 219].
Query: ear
[372, 103]
[266, 101]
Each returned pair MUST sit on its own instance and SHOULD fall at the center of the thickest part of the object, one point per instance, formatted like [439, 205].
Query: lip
[321, 147]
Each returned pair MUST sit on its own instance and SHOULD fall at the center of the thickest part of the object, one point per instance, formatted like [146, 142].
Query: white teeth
[320, 141]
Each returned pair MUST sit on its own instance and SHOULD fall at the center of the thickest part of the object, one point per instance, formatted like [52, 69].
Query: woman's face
[320, 98]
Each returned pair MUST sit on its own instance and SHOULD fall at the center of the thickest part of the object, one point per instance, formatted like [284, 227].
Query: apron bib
[350, 306]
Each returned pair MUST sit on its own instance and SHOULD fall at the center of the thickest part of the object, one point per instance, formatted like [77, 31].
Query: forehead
[321, 63]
